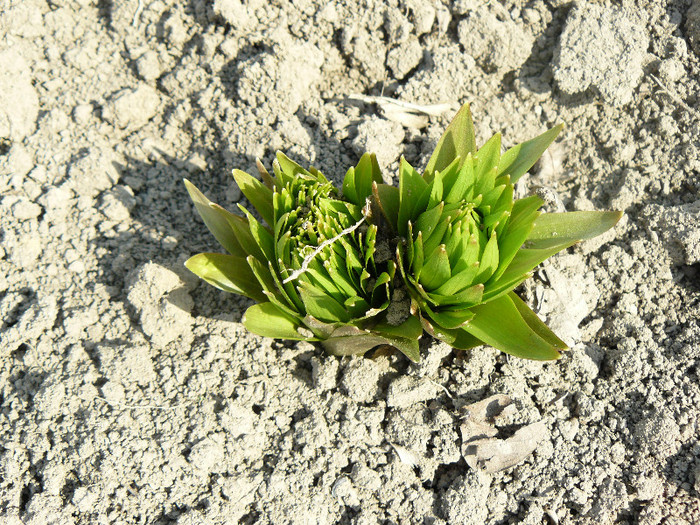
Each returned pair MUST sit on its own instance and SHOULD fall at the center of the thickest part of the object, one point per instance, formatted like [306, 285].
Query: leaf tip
[189, 263]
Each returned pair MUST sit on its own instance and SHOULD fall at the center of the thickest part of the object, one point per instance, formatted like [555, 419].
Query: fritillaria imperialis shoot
[375, 265]
[314, 267]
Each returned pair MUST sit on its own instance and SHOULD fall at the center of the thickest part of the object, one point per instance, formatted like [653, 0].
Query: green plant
[467, 244]
[325, 266]
[315, 268]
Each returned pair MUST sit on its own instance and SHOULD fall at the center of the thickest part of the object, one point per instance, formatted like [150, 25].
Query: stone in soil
[602, 48]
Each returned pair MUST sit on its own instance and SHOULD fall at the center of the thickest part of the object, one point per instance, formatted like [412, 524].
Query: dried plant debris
[407, 114]
[406, 456]
[483, 450]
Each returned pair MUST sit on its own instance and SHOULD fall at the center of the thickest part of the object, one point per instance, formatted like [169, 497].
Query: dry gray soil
[129, 392]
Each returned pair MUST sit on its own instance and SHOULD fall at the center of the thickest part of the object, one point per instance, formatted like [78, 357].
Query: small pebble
[148, 66]
[56, 198]
[23, 210]
[131, 108]
[117, 203]
[82, 114]
[38, 174]
[76, 267]
[671, 71]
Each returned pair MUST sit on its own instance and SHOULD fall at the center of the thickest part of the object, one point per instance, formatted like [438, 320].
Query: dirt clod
[131, 393]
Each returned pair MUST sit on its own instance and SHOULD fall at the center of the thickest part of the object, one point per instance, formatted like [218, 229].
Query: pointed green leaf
[484, 184]
[489, 260]
[450, 177]
[259, 195]
[274, 293]
[262, 274]
[522, 211]
[291, 168]
[421, 203]
[435, 190]
[409, 248]
[388, 199]
[518, 228]
[455, 242]
[216, 222]
[459, 281]
[370, 242]
[464, 185]
[226, 272]
[527, 258]
[519, 269]
[269, 321]
[417, 291]
[518, 159]
[282, 179]
[499, 324]
[241, 230]
[554, 229]
[340, 277]
[428, 220]
[321, 305]
[488, 156]
[505, 201]
[410, 328]
[261, 235]
[349, 188]
[492, 197]
[436, 236]
[352, 263]
[504, 285]
[366, 172]
[287, 290]
[436, 269]
[466, 297]
[411, 186]
[418, 255]
[265, 175]
[533, 320]
[451, 319]
[457, 141]
[317, 275]
[470, 255]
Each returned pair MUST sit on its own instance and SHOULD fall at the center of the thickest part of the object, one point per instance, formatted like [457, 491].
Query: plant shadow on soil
[675, 467]
[168, 229]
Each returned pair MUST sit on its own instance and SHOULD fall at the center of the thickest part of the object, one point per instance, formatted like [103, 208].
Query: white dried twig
[428, 109]
[405, 113]
[443, 387]
[405, 456]
[674, 96]
[307, 260]
[143, 407]
[137, 13]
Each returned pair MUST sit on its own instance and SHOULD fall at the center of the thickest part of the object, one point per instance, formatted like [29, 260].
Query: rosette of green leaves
[466, 243]
[311, 264]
